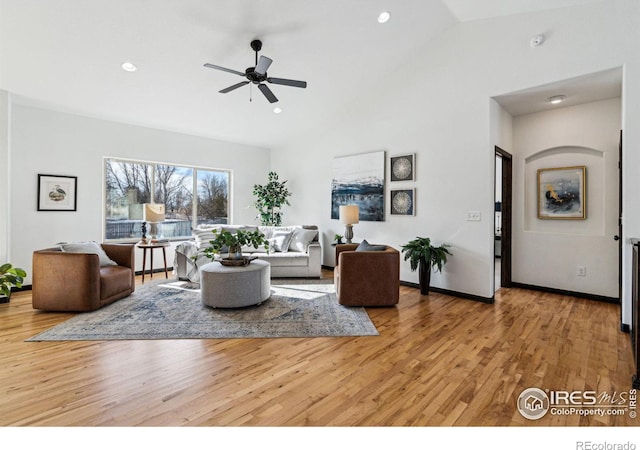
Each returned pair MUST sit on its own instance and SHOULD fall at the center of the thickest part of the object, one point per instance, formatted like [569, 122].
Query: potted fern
[425, 257]
[9, 277]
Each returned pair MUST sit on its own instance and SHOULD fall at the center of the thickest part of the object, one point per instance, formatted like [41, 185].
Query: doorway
[502, 220]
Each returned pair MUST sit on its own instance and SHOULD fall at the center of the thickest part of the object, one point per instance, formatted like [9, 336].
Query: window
[130, 184]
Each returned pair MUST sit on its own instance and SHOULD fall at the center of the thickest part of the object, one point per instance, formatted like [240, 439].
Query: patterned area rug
[173, 310]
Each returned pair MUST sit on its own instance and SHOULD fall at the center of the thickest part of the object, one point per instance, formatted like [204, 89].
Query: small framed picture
[403, 168]
[57, 192]
[403, 202]
[562, 193]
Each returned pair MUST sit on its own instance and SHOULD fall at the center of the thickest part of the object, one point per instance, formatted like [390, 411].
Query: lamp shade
[349, 214]
[153, 212]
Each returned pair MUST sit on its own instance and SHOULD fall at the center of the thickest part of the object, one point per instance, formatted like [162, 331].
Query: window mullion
[194, 211]
[153, 183]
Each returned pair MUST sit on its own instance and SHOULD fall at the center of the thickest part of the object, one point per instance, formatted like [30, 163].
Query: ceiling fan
[258, 75]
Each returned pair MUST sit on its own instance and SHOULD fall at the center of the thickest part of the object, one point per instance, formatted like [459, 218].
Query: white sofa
[294, 251]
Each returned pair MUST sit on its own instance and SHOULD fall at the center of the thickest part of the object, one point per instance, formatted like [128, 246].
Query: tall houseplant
[9, 277]
[270, 198]
[425, 257]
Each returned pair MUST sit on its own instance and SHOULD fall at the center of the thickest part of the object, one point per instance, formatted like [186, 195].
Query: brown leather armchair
[367, 278]
[64, 281]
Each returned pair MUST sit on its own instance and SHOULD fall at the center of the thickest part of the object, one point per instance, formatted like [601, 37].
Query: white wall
[548, 252]
[438, 107]
[4, 175]
[48, 142]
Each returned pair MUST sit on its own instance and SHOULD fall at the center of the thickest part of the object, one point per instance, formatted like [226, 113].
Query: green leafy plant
[234, 242]
[338, 238]
[10, 276]
[426, 257]
[270, 199]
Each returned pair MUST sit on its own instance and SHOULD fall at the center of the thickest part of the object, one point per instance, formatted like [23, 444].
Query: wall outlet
[582, 271]
[473, 216]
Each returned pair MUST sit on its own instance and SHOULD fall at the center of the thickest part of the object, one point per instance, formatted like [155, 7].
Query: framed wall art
[562, 193]
[359, 180]
[57, 193]
[403, 202]
[403, 168]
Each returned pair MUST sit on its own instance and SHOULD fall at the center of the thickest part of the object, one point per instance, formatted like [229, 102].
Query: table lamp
[349, 215]
[153, 213]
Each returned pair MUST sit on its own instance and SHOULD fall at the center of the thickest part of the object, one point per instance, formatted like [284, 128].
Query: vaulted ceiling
[67, 55]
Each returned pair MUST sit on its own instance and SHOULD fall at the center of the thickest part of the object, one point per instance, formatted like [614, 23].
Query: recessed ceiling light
[277, 110]
[556, 99]
[129, 67]
[384, 16]
[538, 40]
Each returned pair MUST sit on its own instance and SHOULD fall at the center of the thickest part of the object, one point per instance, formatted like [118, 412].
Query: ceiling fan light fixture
[556, 99]
[258, 75]
[129, 66]
[384, 17]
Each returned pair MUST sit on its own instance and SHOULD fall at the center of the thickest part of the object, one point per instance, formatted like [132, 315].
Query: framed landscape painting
[57, 193]
[562, 193]
[359, 180]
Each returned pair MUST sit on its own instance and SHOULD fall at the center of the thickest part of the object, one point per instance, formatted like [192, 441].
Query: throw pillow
[280, 241]
[301, 239]
[366, 247]
[89, 247]
[266, 230]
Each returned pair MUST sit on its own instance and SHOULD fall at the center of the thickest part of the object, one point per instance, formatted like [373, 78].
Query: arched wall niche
[595, 189]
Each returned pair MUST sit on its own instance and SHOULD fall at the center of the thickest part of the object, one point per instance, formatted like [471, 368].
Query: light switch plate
[474, 216]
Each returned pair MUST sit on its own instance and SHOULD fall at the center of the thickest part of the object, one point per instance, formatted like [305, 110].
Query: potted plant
[270, 198]
[9, 277]
[338, 238]
[234, 243]
[425, 257]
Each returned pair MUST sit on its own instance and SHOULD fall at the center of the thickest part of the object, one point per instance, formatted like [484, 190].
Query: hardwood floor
[438, 361]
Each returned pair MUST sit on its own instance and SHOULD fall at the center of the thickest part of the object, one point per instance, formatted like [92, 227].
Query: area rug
[174, 311]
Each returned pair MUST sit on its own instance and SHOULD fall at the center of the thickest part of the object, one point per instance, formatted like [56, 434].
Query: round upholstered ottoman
[234, 287]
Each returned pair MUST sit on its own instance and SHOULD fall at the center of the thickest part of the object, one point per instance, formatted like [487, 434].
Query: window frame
[153, 164]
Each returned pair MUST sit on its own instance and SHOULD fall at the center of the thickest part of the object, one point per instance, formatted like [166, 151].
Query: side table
[151, 247]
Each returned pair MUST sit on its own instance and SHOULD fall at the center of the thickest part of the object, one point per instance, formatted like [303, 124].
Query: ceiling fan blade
[263, 65]
[267, 93]
[294, 83]
[235, 86]
[224, 69]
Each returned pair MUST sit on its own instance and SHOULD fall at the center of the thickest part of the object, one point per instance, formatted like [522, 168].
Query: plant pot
[424, 274]
[235, 252]
[4, 298]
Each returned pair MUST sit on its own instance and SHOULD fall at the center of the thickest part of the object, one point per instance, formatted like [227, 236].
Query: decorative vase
[424, 274]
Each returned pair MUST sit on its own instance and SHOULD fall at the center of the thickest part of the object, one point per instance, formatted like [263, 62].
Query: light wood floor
[439, 360]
